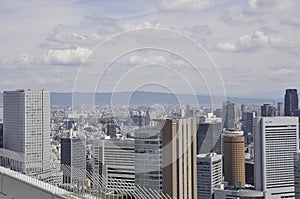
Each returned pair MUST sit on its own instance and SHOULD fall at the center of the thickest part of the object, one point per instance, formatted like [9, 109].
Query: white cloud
[285, 74]
[66, 57]
[254, 3]
[226, 46]
[255, 40]
[137, 60]
[183, 5]
[21, 61]
[85, 25]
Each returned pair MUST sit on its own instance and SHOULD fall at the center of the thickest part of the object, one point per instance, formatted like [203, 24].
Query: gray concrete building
[209, 174]
[229, 116]
[26, 130]
[114, 159]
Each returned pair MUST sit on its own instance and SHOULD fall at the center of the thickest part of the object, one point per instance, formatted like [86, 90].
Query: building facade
[234, 158]
[267, 110]
[209, 137]
[209, 174]
[26, 129]
[229, 115]
[276, 141]
[280, 109]
[290, 102]
[297, 175]
[114, 159]
[247, 126]
[166, 158]
[73, 160]
[148, 158]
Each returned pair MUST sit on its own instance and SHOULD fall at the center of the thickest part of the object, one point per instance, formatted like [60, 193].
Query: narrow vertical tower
[234, 160]
[290, 102]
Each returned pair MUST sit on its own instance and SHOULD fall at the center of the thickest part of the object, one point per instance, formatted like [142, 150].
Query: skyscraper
[276, 142]
[73, 160]
[114, 159]
[26, 129]
[280, 109]
[247, 126]
[209, 174]
[234, 158]
[209, 137]
[148, 158]
[229, 115]
[290, 102]
[267, 110]
[166, 157]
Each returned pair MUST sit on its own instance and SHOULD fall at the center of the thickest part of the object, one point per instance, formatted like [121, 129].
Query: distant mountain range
[142, 98]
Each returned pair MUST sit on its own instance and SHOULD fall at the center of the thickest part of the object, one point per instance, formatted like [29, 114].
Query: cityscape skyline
[160, 99]
[245, 151]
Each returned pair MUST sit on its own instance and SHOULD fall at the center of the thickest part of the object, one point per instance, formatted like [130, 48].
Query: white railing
[36, 183]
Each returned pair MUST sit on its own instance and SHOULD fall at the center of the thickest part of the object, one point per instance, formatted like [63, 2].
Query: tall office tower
[73, 160]
[290, 102]
[166, 158]
[26, 129]
[234, 158]
[243, 112]
[247, 126]
[209, 174]
[209, 136]
[280, 109]
[267, 110]
[148, 157]
[229, 115]
[114, 159]
[276, 142]
[243, 108]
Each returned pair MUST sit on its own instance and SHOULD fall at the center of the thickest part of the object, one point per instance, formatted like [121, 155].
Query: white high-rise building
[26, 118]
[276, 141]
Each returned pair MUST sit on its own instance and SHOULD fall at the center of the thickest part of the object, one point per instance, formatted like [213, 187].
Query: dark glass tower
[267, 110]
[290, 102]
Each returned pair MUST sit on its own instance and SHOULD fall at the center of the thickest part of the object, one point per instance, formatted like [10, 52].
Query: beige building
[179, 160]
[234, 158]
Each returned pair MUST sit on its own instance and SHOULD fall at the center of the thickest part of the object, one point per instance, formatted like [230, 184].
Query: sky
[220, 47]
